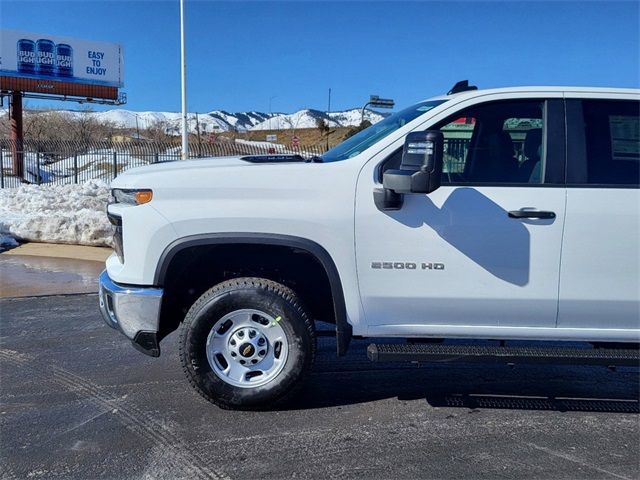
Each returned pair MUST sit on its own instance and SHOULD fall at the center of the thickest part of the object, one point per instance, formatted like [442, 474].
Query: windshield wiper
[315, 159]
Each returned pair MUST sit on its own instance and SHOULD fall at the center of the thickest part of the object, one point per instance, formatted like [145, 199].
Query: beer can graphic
[26, 56]
[64, 60]
[45, 57]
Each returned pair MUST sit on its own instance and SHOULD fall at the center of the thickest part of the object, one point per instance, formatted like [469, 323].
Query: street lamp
[377, 102]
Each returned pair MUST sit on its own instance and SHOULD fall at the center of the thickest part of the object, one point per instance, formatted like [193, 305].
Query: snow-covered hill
[221, 121]
[309, 119]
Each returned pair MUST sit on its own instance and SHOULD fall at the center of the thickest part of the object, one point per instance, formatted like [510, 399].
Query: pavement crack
[75, 427]
[575, 460]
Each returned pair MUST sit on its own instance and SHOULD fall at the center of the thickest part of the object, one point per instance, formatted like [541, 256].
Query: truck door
[600, 274]
[484, 249]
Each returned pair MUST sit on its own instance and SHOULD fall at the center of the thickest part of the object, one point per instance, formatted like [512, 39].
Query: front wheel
[246, 343]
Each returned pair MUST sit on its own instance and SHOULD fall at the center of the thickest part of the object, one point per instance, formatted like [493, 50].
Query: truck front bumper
[134, 311]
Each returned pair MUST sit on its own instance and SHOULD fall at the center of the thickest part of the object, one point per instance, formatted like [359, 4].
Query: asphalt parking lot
[77, 401]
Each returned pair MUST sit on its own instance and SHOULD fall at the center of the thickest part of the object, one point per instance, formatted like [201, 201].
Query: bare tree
[159, 131]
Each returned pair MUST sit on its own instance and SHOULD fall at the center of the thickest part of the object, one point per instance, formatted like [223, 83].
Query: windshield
[364, 139]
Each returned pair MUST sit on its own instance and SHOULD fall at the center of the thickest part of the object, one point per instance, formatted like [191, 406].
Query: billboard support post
[15, 121]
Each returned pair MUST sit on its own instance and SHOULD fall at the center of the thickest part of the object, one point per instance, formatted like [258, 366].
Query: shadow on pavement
[347, 392]
[526, 387]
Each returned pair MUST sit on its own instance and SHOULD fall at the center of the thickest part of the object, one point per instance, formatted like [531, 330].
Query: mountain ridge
[223, 121]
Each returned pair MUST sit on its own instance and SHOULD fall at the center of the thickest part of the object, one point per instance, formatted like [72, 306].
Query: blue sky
[240, 54]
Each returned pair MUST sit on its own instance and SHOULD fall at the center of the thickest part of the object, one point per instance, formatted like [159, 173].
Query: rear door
[600, 274]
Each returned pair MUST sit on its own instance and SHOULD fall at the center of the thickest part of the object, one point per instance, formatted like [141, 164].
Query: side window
[612, 135]
[497, 143]
[457, 137]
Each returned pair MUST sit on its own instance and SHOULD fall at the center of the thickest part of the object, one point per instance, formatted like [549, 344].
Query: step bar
[497, 354]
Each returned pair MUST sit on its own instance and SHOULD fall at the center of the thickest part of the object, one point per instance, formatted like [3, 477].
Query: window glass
[612, 133]
[376, 132]
[495, 143]
[457, 137]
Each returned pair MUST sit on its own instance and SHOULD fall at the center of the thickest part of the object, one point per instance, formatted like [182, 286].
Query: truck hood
[205, 163]
[238, 172]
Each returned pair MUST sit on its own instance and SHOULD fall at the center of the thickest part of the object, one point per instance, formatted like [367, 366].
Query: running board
[510, 355]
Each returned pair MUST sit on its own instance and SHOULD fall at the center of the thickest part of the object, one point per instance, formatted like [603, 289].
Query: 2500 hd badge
[406, 266]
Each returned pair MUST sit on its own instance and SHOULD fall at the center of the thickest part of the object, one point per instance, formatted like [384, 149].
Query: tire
[239, 308]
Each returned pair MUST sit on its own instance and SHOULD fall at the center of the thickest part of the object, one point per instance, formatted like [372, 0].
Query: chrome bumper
[134, 311]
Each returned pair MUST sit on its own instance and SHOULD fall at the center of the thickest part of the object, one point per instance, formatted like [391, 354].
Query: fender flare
[343, 328]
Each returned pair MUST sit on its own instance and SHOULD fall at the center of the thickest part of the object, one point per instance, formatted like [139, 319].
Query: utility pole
[183, 75]
[329, 106]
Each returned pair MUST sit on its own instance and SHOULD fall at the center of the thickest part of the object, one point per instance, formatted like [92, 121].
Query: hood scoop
[273, 159]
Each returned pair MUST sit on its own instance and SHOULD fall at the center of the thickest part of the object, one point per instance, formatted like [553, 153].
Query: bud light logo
[26, 56]
[64, 60]
[44, 58]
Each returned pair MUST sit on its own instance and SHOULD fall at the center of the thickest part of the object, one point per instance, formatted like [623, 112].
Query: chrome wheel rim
[247, 348]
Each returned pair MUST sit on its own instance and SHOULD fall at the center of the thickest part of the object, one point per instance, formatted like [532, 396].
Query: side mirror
[421, 167]
[420, 170]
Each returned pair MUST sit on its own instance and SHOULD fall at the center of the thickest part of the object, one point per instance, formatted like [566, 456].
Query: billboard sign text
[49, 57]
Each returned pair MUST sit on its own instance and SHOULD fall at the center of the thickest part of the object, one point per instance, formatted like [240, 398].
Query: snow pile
[73, 214]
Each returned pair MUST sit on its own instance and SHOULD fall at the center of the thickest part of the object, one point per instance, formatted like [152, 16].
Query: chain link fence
[64, 162]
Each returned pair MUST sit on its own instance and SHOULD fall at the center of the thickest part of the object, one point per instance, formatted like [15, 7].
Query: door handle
[531, 214]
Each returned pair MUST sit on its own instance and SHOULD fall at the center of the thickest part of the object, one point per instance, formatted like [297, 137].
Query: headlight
[132, 197]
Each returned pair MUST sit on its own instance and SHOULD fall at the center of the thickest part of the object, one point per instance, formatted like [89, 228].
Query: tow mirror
[420, 170]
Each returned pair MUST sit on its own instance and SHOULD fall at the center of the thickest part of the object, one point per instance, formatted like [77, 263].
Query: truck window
[497, 143]
[376, 132]
[612, 134]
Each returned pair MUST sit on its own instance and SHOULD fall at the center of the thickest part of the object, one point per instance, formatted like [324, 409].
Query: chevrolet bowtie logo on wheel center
[247, 350]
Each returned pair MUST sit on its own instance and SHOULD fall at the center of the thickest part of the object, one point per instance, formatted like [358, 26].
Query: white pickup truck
[504, 214]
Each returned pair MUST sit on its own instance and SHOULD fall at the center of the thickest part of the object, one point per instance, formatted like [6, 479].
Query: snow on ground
[94, 164]
[278, 147]
[73, 214]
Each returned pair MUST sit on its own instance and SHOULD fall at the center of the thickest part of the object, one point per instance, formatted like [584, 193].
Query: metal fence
[63, 162]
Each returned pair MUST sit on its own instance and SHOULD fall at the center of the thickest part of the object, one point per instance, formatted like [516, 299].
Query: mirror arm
[386, 199]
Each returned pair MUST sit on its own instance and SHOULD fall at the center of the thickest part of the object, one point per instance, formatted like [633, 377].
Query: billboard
[53, 64]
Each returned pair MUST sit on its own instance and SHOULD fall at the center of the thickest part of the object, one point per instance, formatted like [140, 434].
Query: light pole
[183, 76]
[377, 102]
[270, 113]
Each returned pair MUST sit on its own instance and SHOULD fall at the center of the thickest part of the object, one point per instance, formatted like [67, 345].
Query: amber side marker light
[143, 196]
